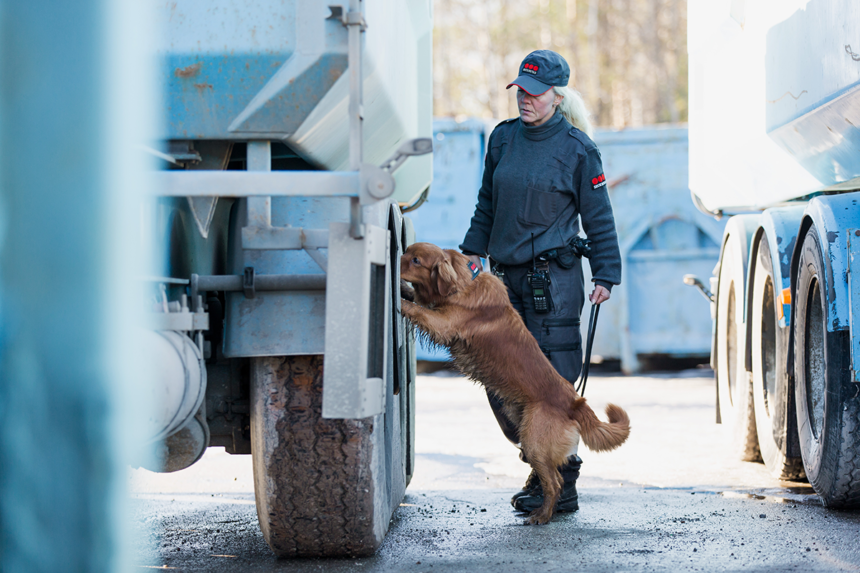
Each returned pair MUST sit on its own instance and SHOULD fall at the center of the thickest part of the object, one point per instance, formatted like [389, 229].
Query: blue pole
[63, 335]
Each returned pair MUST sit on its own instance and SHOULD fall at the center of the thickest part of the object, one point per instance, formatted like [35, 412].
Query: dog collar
[475, 270]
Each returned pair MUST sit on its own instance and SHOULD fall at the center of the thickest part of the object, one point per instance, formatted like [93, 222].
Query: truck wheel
[828, 408]
[317, 488]
[774, 415]
[734, 386]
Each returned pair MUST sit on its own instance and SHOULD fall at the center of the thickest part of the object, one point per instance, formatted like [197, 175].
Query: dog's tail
[601, 436]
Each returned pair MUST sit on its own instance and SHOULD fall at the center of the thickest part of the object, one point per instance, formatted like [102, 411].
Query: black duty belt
[578, 248]
[500, 268]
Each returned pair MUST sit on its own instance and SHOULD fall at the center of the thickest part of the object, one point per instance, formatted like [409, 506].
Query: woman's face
[535, 110]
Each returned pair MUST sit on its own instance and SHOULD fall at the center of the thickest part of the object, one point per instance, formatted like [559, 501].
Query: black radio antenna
[534, 260]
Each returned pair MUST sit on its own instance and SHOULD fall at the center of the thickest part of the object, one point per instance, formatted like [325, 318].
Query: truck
[775, 148]
[292, 133]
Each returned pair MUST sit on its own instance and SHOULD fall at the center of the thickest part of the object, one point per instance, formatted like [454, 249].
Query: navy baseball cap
[541, 70]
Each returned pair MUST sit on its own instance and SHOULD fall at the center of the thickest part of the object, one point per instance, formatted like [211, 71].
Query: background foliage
[628, 58]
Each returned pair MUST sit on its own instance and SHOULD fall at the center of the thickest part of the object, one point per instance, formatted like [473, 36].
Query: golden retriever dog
[488, 340]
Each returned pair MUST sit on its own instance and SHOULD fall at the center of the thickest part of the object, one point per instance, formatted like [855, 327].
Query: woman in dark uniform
[542, 175]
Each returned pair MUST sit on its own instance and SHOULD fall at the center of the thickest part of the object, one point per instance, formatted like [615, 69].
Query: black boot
[532, 485]
[567, 501]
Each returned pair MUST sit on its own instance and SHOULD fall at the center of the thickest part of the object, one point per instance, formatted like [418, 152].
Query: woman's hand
[599, 294]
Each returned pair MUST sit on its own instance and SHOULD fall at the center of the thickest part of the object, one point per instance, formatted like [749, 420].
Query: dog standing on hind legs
[470, 314]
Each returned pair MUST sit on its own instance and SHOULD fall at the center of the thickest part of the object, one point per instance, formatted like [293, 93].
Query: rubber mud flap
[313, 480]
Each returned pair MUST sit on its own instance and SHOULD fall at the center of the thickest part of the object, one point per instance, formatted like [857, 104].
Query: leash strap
[592, 326]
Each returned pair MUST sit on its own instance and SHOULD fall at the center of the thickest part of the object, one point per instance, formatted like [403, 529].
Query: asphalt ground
[672, 498]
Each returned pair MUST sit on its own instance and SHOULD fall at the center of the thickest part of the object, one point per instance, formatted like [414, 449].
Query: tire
[772, 396]
[402, 235]
[734, 385]
[323, 486]
[828, 408]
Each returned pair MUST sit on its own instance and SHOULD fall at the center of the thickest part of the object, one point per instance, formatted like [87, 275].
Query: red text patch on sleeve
[599, 181]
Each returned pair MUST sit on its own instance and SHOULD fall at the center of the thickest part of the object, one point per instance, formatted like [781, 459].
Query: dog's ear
[446, 277]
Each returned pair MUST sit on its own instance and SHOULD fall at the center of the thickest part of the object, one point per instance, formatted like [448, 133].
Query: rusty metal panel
[277, 70]
[280, 323]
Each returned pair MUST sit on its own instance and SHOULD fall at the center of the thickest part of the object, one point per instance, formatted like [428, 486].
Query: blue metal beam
[854, 296]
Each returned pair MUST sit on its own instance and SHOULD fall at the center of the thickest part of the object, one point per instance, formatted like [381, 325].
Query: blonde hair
[572, 107]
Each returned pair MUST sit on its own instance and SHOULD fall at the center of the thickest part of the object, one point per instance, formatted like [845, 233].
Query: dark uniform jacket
[541, 180]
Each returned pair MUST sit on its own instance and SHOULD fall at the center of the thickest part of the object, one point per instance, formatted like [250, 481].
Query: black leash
[592, 326]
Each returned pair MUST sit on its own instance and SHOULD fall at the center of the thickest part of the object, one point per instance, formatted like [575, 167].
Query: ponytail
[573, 109]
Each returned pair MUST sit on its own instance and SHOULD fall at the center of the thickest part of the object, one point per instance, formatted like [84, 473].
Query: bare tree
[628, 57]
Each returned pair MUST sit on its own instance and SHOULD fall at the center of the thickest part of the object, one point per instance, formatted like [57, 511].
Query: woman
[542, 174]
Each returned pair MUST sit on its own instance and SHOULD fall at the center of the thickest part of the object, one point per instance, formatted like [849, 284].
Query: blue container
[662, 237]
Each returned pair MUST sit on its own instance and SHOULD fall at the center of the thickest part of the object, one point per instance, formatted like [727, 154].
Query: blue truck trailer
[291, 133]
[775, 145]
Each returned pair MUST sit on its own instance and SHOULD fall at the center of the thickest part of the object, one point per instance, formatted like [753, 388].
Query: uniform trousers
[556, 331]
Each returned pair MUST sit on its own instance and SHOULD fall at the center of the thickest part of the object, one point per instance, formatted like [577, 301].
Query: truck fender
[742, 228]
[832, 216]
[778, 232]
[778, 227]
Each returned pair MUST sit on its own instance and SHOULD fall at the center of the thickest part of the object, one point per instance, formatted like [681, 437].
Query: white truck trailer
[775, 146]
[291, 131]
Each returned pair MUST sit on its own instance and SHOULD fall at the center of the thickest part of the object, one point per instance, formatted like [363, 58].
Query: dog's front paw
[539, 517]
[406, 291]
[408, 308]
